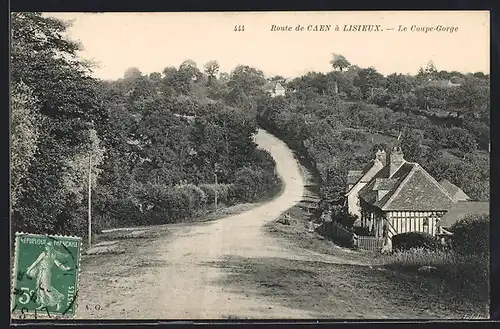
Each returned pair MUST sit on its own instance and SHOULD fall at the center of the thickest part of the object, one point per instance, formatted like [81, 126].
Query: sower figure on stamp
[41, 269]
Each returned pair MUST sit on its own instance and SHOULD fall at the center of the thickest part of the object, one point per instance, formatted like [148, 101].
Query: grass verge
[346, 291]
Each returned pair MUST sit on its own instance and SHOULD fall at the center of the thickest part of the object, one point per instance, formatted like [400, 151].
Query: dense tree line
[149, 163]
[157, 141]
[339, 119]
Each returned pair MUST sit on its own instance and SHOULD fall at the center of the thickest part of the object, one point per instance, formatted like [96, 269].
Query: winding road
[187, 285]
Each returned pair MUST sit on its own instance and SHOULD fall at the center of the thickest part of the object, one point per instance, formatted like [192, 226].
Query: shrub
[448, 263]
[198, 198]
[355, 136]
[179, 205]
[248, 184]
[232, 196]
[224, 193]
[161, 204]
[471, 235]
[118, 213]
[411, 240]
[417, 257]
[346, 220]
[252, 184]
[155, 203]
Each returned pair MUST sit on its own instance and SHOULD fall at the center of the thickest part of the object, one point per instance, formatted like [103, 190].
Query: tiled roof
[369, 191]
[384, 184]
[369, 167]
[455, 191]
[442, 84]
[270, 85]
[368, 172]
[461, 209]
[411, 188]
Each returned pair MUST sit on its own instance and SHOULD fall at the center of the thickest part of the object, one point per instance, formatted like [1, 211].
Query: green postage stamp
[45, 276]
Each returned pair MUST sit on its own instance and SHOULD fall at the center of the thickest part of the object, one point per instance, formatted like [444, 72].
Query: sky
[153, 41]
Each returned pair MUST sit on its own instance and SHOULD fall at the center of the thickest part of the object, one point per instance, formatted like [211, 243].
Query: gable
[419, 192]
[279, 86]
[367, 173]
[369, 193]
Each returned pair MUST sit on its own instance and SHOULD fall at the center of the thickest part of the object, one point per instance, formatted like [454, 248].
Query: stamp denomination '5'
[46, 272]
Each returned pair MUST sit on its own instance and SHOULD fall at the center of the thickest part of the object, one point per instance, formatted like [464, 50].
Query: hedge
[471, 235]
[414, 240]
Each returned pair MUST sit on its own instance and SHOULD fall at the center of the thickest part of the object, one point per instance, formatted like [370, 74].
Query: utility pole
[215, 175]
[89, 199]
[90, 188]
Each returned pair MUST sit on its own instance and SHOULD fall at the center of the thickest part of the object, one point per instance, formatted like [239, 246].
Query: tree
[430, 98]
[400, 83]
[367, 80]
[244, 82]
[25, 132]
[177, 81]
[188, 63]
[155, 77]
[411, 145]
[162, 136]
[190, 69]
[47, 62]
[167, 86]
[142, 88]
[211, 69]
[471, 98]
[224, 77]
[461, 139]
[430, 68]
[132, 73]
[333, 187]
[340, 62]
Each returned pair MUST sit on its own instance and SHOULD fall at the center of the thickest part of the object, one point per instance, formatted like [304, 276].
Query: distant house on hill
[442, 84]
[274, 88]
[395, 196]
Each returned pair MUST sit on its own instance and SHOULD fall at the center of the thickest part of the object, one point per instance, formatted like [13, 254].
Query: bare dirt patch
[297, 234]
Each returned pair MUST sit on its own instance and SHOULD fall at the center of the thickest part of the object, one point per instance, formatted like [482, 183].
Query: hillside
[150, 166]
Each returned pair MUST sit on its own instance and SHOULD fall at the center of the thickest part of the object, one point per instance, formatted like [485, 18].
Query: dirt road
[184, 281]
[235, 267]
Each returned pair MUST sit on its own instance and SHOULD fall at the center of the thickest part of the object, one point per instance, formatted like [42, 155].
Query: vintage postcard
[250, 165]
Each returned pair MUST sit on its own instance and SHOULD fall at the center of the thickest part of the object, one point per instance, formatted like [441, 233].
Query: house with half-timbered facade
[400, 197]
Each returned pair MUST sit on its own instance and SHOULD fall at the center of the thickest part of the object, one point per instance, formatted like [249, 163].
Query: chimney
[396, 160]
[381, 156]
